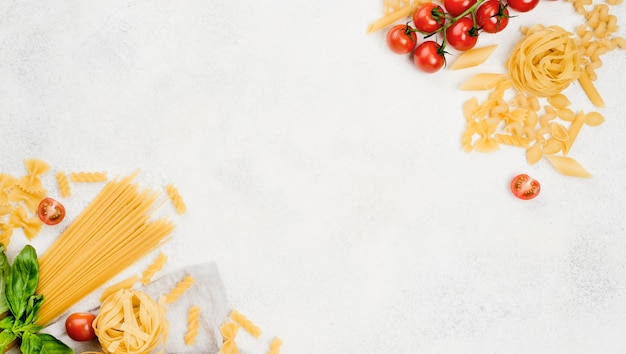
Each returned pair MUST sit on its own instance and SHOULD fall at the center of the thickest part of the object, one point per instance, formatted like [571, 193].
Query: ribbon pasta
[545, 62]
[130, 321]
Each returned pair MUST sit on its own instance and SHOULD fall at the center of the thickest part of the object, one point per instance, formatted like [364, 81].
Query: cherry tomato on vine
[462, 34]
[458, 7]
[79, 326]
[429, 57]
[401, 39]
[429, 17]
[525, 187]
[492, 16]
[522, 5]
[50, 211]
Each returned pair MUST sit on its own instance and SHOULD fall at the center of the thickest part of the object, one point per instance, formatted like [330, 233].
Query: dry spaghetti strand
[112, 233]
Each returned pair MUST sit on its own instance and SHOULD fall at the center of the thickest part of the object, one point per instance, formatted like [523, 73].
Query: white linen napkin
[208, 293]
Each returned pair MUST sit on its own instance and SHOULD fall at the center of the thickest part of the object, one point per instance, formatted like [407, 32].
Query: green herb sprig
[18, 285]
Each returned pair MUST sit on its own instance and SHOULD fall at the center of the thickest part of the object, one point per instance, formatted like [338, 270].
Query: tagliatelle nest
[130, 321]
[545, 62]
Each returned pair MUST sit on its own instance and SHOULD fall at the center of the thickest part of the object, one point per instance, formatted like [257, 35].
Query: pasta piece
[594, 119]
[88, 176]
[552, 146]
[176, 198]
[6, 183]
[245, 323]
[573, 131]
[513, 140]
[63, 183]
[30, 225]
[6, 209]
[126, 284]
[482, 81]
[180, 289]
[130, 321]
[31, 182]
[544, 62]
[568, 166]
[559, 101]
[534, 154]
[590, 89]
[559, 132]
[156, 266]
[275, 345]
[390, 19]
[30, 199]
[229, 331]
[473, 57]
[193, 322]
[6, 231]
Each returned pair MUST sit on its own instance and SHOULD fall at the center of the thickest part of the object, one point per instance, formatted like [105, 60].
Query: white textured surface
[324, 175]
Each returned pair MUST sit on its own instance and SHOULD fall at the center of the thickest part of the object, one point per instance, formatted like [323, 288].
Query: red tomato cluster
[457, 23]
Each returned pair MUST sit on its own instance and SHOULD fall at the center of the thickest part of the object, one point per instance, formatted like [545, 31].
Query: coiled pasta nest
[545, 61]
[130, 321]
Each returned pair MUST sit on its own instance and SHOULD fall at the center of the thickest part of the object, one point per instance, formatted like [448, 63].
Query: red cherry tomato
[50, 211]
[492, 16]
[525, 187]
[462, 34]
[79, 326]
[429, 17]
[401, 39]
[429, 57]
[458, 7]
[522, 5]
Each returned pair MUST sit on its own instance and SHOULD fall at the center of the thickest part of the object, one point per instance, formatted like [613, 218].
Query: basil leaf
[32, 308]
[22, 281]
[7, 322]
[51, 345]
[6, 338]
[5, 269]
[31, 343]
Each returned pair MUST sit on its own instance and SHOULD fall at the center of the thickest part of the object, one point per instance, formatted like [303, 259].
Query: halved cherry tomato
[429, 17]
[50, 211]
[401, 39]
[458, 7]
[463, 34]
[79, 326]
[525, 187]
[429, 57]
[522, 5]
[492, 16]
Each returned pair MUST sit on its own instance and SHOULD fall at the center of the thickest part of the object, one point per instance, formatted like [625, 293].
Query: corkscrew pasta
[88, 177]
[193, 322]
[153, 268]
[245, 323]
[275, 345]
[180, 289]
[63, 183]
[176, 198]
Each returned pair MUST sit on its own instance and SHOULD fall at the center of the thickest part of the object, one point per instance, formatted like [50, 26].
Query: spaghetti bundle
[112, 233]
[545, 62]
[130, 321]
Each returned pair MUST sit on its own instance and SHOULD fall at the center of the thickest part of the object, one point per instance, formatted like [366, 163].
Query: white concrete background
[324, 174]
